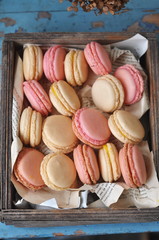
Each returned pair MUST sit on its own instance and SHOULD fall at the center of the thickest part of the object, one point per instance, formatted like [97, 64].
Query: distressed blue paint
[54, 5]
[30, 22]
[13, 232]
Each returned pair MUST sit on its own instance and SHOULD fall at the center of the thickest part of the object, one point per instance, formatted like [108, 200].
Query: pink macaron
[86, 164]
[37, 97]
[132, 82]
[27, 168]
[132, 165]
[53, 63]
[98, 58]
[91, 127]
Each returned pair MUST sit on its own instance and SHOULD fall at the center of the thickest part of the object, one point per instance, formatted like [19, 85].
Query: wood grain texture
[31, 217]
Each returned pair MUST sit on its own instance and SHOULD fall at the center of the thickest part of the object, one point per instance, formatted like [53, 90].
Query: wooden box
[34, 217]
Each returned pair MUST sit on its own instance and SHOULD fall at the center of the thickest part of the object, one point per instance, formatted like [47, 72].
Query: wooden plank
[44, 218]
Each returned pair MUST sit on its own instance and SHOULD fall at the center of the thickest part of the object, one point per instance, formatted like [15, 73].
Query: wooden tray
[33, 217]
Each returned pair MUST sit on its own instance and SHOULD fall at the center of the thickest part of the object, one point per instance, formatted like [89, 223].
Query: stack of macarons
[78, 137]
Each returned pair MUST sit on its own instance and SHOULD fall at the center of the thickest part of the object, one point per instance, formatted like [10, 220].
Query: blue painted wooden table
[51, 16]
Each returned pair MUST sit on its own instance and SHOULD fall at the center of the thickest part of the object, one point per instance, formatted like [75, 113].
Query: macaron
[33, 62]
[53, 63]
[37, 97]
[98, 58]
[58, 171]
[109, 163]
[58, 135]
[132, 82]
[91, 127]
[64, 98]
[126, 127]
[108, 93]
[27, 168]
[76, 67]
[132, 165]
[30, 127]
[86, 164]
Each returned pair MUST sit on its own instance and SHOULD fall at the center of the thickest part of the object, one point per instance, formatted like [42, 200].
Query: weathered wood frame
[23, 217]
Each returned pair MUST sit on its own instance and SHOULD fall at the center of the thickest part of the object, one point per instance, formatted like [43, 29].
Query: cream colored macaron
[58, 171]
[76, 67]
[30, 127]
[109, 163]
[64, 98]
[58, 135]
[126, 127]
[32, 62]
[108, 93]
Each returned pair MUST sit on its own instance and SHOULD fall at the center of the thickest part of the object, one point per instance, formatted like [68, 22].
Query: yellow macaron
[76, 67]
[126, 127]
[30, 127]
[57, 134]
[109, 163]
[108, 93]
[64, 98]
[58, 171]
[32, 62]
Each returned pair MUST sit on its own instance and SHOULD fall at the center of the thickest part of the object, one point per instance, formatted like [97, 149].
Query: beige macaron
[76, 67]
[108, 93]
[64, 98]
[30, 127]
[109, 163]
[58, 171]
[58, 135]
[32, 62]
[126, 127]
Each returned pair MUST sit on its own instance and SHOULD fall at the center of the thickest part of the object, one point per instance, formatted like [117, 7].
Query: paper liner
[114, 195]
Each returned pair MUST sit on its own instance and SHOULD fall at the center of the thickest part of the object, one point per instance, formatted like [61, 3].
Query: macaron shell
[105, 166]
[35, 129]
[55, 95]
[114, 159]
[25, 122]
[125, 169]
[53, 63]
[68, 67]
[67, 97]
[108, 93]
[80, 66]
[37, 97]
[91, 163]
[58, 135]
[137, 165]
[59, 58]
[97, 58]
[27, 168]
[58, 171]
[109, 162]
[132, 82]
[33, 63]
[80, 165]
[126, 127]
[91, 127]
